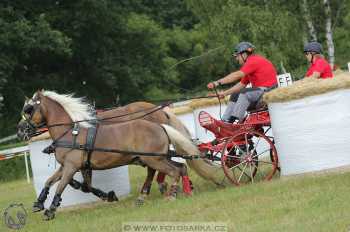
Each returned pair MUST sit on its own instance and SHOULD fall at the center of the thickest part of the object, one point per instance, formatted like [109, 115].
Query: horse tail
[183, 145]
[181, 141]
[208, 171]
[176, 123]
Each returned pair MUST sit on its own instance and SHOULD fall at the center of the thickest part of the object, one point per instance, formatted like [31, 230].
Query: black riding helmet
[313, 47]
[243, 47]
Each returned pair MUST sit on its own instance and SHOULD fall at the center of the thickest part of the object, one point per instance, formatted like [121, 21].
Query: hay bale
[310, 121]
[191, 105]
[309, 87]
[181, 110]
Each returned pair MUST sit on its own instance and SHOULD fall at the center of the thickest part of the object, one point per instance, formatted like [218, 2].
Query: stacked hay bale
[311, 124]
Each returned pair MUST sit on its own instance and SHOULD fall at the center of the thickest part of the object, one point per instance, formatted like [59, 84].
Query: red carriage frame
[236, 147]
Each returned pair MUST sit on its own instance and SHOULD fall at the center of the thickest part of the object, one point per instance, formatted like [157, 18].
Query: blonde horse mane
[75, 107]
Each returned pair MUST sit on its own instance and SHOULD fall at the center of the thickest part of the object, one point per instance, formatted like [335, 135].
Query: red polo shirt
[320, 65]
[259, 71]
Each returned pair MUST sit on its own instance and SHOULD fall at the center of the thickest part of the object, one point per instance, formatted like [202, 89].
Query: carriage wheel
[249, 157]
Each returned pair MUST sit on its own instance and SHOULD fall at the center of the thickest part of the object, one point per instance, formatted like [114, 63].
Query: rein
[156, 108]
[87, 147]
[42, 125]
[83, 147]
[220, 105]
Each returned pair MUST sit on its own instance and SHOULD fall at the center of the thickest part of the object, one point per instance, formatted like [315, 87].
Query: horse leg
[87, 187]
[175, 174]
[169, 169]
[186, 182]
[146, 188]
[162, 185]
[39, 204]
[87, 176]
[187, 185]
[67, 174]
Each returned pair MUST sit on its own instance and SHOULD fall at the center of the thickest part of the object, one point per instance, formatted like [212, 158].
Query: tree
[22, 43]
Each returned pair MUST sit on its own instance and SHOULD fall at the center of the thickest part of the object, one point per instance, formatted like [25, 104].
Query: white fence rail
[15, 152]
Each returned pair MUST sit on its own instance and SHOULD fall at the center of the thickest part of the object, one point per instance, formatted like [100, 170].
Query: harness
[89, 147]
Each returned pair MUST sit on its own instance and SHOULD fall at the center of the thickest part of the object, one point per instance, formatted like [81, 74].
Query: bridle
[30, 109]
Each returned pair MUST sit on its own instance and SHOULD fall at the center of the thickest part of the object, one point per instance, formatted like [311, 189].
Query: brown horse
[136, 142]
[152, 113]
[136, 110]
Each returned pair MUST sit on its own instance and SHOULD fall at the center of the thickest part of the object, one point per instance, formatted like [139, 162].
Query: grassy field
[299, 204]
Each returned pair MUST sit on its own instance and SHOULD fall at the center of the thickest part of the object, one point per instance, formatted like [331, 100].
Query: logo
[15, 216]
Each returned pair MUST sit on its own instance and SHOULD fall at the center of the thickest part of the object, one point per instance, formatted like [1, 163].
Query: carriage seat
[257, 107]
[260, 106]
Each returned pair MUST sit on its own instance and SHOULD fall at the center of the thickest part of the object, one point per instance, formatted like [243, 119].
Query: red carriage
[245, 151]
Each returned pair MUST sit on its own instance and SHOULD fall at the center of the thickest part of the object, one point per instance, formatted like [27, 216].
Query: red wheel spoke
[257, 155]
[242, 150]
[231, 168]
[245, 166]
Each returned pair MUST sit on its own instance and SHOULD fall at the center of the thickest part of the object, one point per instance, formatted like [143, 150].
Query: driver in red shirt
[256, 70]
[319, 67]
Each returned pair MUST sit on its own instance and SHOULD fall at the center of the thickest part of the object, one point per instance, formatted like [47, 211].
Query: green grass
[299, 204]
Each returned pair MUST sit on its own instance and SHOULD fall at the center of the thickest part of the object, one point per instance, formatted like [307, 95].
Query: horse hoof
[112, 197]
[85, 188]
[192, 186]
[75, 184]
[48, 215]
[139, 202]
[37, 207]
[163, 187]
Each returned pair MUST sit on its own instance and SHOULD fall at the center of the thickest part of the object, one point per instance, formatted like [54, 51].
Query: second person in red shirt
[319, 67]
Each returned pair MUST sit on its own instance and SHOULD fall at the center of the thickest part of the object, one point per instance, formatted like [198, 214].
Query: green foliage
[115, 52]
[341, 39]
[12, 145]
[12, 169]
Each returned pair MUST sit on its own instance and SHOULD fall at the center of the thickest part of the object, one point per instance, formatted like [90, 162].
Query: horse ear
[26, 98]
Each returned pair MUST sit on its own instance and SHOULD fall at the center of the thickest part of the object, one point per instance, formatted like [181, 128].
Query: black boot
[232, 119]
[49, 150]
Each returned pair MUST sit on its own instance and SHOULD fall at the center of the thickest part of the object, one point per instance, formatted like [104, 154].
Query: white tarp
[43, 166]
[312, 134]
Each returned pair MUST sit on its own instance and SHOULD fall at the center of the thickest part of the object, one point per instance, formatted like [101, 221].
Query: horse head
[32, 117]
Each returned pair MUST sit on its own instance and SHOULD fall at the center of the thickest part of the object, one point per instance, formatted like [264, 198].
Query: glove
[211, 85]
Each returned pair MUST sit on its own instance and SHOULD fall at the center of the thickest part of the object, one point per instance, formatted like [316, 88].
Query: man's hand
[212, 85]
